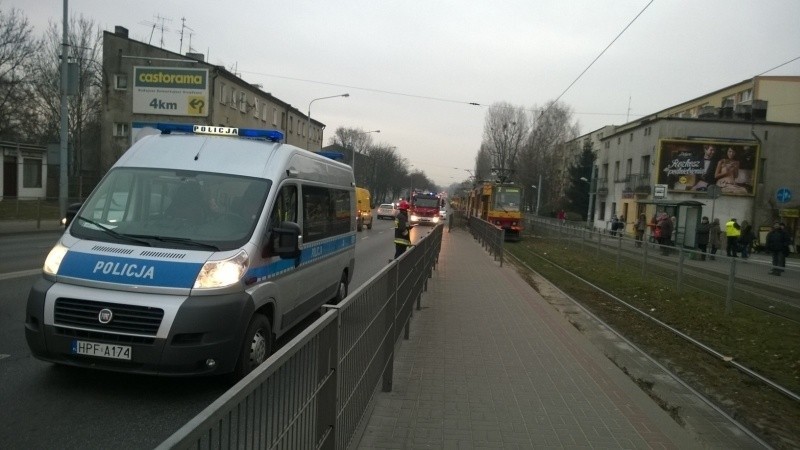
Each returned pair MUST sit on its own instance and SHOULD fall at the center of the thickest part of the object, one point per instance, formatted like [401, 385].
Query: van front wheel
[256, 347]
[342, 290]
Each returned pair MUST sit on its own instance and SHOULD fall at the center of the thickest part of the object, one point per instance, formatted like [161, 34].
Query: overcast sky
[412, 67]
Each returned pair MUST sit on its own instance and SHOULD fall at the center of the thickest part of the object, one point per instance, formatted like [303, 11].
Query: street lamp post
[591, 200]
[308, 117]
[538, 194]
[353, 165]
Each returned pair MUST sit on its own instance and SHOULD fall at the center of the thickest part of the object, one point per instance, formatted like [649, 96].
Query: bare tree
[544, 153]
[85, 104]
[483, 164]
[505, 130]
[17, 44]
[387, 173]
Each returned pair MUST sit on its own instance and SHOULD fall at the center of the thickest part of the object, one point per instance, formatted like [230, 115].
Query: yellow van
[364, 206]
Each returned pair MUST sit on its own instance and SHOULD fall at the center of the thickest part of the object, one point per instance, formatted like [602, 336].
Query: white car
[386, 211]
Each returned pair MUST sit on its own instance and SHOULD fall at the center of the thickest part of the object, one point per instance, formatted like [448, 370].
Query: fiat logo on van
[105, 315]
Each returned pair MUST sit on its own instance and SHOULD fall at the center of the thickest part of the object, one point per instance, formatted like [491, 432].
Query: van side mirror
[285, 240]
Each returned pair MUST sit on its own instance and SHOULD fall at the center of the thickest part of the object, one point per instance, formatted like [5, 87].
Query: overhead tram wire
[779, 66]
[598, 56]
[378, 91]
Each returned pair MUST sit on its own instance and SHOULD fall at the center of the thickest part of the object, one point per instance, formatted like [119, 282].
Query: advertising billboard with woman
[686, 166]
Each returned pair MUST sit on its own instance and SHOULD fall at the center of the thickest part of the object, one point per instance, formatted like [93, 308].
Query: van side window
[285, 209]
[326, 212]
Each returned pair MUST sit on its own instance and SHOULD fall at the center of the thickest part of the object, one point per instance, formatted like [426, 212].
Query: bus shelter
[687, 215]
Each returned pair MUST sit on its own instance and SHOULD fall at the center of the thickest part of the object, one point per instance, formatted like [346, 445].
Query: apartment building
[658, 163]
[146, 84]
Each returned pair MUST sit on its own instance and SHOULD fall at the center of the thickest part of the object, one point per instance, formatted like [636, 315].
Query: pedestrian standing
[640, 226]
[714, 238]
[746, 239]
[732, 232]
[401, 230]
[614, 224]
[665, 227]
[703, 236]
[777, 243]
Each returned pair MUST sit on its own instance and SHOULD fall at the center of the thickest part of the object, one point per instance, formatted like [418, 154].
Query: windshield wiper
[111, 232]
[176, 240]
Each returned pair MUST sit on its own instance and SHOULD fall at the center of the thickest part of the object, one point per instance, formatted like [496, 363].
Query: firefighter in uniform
[401, 230]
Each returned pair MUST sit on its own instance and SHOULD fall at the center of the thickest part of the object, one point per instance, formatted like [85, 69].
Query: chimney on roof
[197, 56]
[121, 31]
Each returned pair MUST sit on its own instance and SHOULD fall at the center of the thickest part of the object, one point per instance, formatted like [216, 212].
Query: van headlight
[54, 258]
[217, 274]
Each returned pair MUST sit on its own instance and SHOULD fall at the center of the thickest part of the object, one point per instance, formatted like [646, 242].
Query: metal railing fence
[490, 236]
[747, 282]
[314, 392]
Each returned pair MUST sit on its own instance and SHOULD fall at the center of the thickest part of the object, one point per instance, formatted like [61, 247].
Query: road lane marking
[20, 274]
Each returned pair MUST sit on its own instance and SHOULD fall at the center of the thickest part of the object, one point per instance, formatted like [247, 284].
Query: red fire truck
[424, 208]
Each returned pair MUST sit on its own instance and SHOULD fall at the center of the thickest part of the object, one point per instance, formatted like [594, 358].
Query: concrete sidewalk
[491, 364]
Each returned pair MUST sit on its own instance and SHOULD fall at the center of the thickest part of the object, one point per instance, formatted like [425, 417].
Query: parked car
[386, 211]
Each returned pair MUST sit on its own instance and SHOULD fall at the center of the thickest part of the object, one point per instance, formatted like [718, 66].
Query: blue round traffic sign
[783, 195]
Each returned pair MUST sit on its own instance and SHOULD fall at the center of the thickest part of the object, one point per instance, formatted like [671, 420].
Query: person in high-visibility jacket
[401, 229]
[732, 232]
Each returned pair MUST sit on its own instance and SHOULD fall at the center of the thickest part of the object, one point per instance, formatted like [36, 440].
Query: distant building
[755, 123]
[146, 84]
[24, 171]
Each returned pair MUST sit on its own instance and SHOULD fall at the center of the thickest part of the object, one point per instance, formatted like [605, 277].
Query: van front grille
[134, 319]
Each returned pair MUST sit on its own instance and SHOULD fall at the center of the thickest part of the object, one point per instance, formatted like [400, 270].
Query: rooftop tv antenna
[183, 28]
[158, 23]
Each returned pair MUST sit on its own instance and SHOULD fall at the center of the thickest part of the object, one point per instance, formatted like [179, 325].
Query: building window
[616, 170]
[631, 138]
[121, 129]
[264, 112]
[619, 140]
[607, 144]
[255, 107]
[291, 124]
[243, 101]
[628, 169]
[274, 117]
[602, 211]
[233, 98]
[31, 173]
[223, 92]
[645, 169]
[121, 82]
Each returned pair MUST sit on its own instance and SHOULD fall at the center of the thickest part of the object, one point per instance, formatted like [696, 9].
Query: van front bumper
[203, 338]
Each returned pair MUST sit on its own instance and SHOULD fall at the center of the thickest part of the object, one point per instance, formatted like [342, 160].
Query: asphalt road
[47, 406]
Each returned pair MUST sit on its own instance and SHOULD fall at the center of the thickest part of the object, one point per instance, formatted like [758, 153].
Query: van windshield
[174, 209]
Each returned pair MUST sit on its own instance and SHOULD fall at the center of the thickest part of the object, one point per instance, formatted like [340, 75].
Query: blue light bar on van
[270, 135]
[336, 156]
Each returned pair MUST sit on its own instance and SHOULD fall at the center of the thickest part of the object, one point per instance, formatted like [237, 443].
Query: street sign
[660, 191]
[783, 195]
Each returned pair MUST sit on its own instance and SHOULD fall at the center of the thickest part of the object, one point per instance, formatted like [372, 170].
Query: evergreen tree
[578, 191]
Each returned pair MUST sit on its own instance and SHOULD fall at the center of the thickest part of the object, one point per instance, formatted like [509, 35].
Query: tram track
[719, 356]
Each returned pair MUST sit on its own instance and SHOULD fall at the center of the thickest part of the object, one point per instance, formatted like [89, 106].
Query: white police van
[198, 249]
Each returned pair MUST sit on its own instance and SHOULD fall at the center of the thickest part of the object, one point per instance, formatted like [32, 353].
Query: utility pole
[63, 186]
